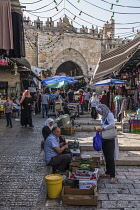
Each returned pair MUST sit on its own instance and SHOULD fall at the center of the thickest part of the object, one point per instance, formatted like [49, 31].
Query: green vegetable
[84, 165]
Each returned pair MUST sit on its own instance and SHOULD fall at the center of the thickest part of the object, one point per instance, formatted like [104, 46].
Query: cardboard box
[72, 183]
[87, 160]
[88, 173]
[92, 163]
[87, 184]
[84, 175]
[84, 197]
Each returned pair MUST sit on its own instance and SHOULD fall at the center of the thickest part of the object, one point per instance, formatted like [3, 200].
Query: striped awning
[116, 59]
[15, 5]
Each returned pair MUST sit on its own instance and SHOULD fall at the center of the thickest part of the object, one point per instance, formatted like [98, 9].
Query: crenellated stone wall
[48, 46]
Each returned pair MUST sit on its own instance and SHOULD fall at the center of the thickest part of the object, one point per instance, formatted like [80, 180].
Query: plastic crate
[134, 121]
[126, 126]
[135, 126]
[134, 130]
[126, 130]
[67, 131]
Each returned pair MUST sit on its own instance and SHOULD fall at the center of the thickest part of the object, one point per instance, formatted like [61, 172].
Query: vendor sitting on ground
[53, 152]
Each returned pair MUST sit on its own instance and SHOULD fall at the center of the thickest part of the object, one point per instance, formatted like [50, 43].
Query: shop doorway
[70, 69]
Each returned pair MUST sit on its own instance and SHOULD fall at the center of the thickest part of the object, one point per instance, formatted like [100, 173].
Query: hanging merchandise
[18, 36]
[3, 62]
[6, 31]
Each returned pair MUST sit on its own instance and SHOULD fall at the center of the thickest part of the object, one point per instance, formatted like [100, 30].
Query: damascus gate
[64, 49]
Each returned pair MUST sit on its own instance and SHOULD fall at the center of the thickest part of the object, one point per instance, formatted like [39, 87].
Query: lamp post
[15, 68]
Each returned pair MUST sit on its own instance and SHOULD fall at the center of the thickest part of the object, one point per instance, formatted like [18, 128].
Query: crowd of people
[57, 153]
[39, 103]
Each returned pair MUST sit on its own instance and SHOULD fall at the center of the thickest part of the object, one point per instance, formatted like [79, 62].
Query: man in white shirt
[87, 96]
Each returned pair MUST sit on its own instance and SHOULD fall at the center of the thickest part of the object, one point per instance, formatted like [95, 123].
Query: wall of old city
[48, 46]
[85, 52]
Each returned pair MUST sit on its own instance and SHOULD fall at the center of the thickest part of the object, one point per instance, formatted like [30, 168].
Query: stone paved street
[22, 172]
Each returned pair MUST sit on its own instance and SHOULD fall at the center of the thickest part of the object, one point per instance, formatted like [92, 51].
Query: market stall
[80, 186]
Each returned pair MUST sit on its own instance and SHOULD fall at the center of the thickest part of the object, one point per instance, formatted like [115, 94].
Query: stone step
[90, 122]
[85, 116]
[127, 158]
[121, 148]
[90, 128]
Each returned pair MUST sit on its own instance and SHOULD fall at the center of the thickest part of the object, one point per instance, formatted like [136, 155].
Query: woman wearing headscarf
[93, 103]
[108, 145]
[47, 129]
[26, 109]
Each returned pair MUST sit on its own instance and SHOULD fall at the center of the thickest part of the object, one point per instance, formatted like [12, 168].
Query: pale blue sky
[122, 30]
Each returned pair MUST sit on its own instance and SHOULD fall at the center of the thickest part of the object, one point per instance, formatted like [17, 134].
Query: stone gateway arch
[71, 61]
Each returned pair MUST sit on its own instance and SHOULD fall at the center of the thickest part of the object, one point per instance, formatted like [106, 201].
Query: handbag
[109, 133]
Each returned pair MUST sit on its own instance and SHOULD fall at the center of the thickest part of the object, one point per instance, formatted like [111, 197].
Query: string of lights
[88, 14]
[46, 17]
[118, 5]
[45, 6]
[80, 12]
[121, 13]
[31, 2]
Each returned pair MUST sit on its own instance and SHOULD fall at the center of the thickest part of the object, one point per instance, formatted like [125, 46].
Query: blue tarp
[57, 79]
[111, 81]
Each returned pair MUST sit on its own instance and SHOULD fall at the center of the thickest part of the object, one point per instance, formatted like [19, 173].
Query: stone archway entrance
[70, 69]
[70, 59]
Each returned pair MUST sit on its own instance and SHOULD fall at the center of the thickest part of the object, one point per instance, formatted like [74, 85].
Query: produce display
[85, 166]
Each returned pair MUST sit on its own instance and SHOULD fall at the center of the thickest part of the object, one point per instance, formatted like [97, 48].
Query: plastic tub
[54, 185]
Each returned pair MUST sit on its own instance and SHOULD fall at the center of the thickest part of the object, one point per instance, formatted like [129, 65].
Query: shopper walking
[8, 106]
[26, 109]
[87, 96]
[108, 145]
[93, 103]
[104, 98]
[81, 101]
[45, 100]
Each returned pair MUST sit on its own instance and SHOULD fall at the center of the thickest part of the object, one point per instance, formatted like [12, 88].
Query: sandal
[112, 181]
[104, 176]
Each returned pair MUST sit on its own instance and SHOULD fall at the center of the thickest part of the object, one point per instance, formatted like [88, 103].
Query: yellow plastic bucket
[54, 185]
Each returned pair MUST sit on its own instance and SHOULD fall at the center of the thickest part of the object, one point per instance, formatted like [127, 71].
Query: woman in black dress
[26, 109]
